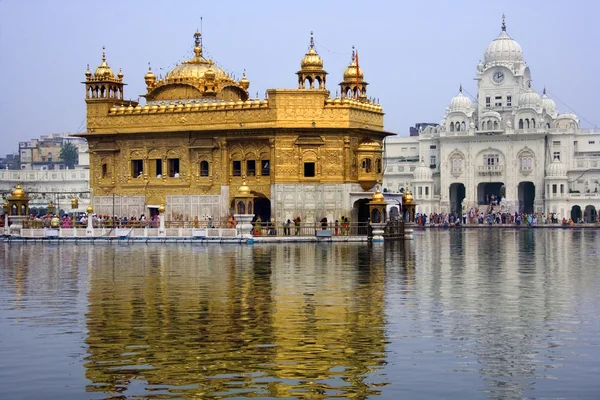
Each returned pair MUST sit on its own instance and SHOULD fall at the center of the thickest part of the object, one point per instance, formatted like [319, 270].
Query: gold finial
[353, 55]
[503, 22]
[149, 67]
[198, 43]
[312, 40]
[103, 54]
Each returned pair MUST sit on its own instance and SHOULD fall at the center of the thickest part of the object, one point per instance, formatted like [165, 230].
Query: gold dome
[244, 190]
[377, 197]
[311, 59]
[149, 75]
[18, 193]
[350, 72]
[161, 209]
[244, 82]
[103, 71]
[196, 67]
[88, 73]
[89, 209]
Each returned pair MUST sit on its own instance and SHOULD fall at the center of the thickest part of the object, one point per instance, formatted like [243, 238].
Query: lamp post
[89, 231]
[162, 232]
[50, 208]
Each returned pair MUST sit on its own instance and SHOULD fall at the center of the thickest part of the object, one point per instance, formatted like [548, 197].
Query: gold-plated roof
[103, 70]
[244, 190]
[311, 60]
[377, 197]
[195, 68]
[351, 70]
[18, 193]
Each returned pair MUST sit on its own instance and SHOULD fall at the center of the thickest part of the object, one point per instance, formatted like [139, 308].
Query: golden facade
[199, 134]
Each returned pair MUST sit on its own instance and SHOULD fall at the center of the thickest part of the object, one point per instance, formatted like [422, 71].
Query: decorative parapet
[490, 169]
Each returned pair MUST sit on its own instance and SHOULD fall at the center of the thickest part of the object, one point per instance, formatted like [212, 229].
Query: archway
[526, 197]
[262, 208]
[361, 210]
[490, 192]
[590, 214]
[576, 213]
[394, 213]
[457, 195]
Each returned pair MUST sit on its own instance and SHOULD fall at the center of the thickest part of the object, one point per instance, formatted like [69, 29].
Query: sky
[414, 54]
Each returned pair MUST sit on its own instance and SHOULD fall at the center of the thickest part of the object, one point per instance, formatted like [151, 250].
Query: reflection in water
[482, 313]
[269, 320]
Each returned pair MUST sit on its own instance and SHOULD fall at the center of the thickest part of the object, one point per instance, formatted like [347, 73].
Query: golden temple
[199, 134]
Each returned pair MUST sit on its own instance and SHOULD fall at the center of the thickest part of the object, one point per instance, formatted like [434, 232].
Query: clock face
[498, 77]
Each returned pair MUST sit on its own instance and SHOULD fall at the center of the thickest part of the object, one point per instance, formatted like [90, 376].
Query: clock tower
[501, 78]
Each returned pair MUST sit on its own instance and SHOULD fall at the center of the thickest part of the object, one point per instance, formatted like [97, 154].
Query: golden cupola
[196, 78]
[354, 84]
[311, 74]
[104, 71]
[103, 84]
[150, 78]
[244, 82]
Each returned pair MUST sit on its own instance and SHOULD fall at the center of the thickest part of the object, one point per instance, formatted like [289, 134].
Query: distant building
[44, 153]
[414, 130]
[509, 149]
[11, 161]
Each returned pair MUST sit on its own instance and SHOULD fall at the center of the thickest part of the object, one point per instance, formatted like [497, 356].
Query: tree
[69, 154]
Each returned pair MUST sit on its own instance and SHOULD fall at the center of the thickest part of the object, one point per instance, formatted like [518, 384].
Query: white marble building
[510, 142]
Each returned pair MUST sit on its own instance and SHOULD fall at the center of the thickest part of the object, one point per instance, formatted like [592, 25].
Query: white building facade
[509, 148]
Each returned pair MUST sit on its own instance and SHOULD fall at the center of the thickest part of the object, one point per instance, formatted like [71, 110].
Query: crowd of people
[492, 217]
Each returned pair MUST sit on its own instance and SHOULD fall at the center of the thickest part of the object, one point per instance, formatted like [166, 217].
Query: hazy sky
[414, 53]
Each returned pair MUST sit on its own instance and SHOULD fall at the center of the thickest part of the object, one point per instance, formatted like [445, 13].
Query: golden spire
[311, 59]
[198, 43]
[244, 82]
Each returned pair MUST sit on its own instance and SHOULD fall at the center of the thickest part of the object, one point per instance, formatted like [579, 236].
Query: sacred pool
[473, 313]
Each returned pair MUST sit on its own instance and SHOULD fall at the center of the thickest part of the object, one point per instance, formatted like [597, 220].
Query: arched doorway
[457, 195]
[576, 213]
[526, 195]
[490, 192]
[394, 213]
[361, 210]
[262, 208]
[590, 214]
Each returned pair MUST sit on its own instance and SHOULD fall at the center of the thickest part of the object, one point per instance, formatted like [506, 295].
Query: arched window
[495, 125]
[366, 164]
[533, 122]
[489, 125]
[458, 127]
[204, 171]
[527, 122]
[241, 207]
[463, 126]
[521, 123]
[378, 162]
[451, 126]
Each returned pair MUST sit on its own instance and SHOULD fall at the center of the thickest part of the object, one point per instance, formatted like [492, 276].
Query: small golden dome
[120, 74]
[244, 190]
[74, 203]
[311, 59]
[351, 71]
[18, 193]
[89, 209]
[149, 77]
[244, 82]
[161, 209]
[88, 73]
[103, 71]
[377, 197]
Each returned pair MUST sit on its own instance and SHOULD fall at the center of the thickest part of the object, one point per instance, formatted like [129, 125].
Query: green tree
[69, 154]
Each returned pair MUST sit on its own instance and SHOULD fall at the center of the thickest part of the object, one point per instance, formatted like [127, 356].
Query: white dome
[568, 115]
[530, 99]
[549, 105]
[503, 50]
[491, 114]
[556, 169]
[422, 172]
[460, 103]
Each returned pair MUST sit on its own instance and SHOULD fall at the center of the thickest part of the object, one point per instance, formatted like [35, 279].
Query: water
[472, 314]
